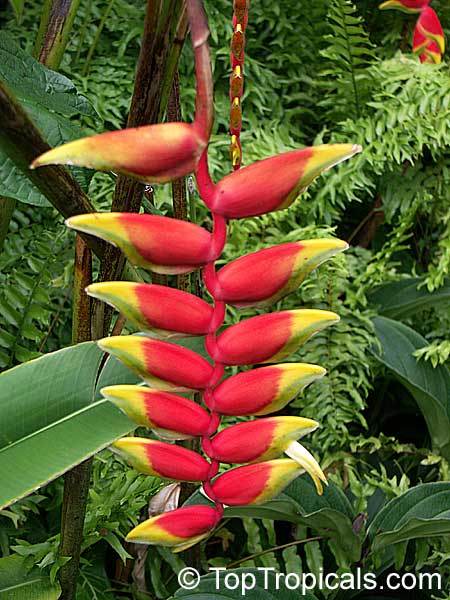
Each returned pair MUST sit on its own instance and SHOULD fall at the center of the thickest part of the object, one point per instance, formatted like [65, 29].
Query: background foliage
[322, 71]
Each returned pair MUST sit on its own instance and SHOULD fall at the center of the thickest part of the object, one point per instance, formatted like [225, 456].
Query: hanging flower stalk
[161, 153]
[428, 37]
[237, 56]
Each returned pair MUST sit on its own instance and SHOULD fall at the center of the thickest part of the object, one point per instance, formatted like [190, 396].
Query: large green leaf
[253, 584]
[430, 386]
[401, 299]
[329, 515]
[421, 512]
[49, 419]
[17, 583]
[51, 100]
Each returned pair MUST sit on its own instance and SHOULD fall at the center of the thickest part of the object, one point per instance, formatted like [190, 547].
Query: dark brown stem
[54, 32]
[179, 197]
[165, 30]
[23, 142]
[7, 206]
[76, 481]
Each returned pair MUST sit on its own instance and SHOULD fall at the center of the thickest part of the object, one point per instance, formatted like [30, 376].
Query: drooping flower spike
[163, 153]
[428, 38]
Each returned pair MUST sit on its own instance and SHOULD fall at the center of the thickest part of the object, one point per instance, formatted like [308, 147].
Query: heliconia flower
[161, 244]
[428, 29]
[264, 390]
[307, 461]
[261, 278]
[255, 483]
[259, 440]
[152, 153]
[162, 365]
[169, 416]
[268, 338]
[407, 6]
[178, 529]
[274, 183]
[160, 310]
[162, 459]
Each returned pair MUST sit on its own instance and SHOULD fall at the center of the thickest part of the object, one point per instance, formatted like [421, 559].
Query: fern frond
[350, 52]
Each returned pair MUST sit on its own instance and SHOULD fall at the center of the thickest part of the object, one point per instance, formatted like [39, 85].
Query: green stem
[98, 33]
[165, 29]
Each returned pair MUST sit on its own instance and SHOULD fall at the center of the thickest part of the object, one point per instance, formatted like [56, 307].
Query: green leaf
[51, 100]
[48, 420]
[253, 584]
[18, 9]
[16, 583]
[421, 512]
[401, 299]
[429, 386]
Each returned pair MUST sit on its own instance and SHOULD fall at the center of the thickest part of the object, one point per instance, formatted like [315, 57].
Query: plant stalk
[76, 481]
[54, 31]
[165, 30]
[7, 206]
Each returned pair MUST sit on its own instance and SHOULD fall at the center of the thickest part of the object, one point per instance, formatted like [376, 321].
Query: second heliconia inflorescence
[161, 153]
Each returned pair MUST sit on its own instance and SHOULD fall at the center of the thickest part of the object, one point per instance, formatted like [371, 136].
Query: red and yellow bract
[165, 152]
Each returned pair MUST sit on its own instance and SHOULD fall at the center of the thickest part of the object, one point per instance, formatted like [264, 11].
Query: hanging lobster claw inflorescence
[164, 152]
[428, 38]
